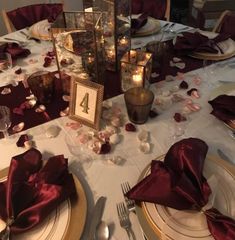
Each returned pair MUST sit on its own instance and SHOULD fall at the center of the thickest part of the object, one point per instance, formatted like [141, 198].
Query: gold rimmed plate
[66, 222]
[188, 225]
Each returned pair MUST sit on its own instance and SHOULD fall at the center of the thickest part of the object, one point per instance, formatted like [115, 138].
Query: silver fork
[129, 203]
[124, 220]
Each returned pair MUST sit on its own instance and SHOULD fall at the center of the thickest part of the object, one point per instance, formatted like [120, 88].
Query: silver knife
[223, 155]
[96, 217]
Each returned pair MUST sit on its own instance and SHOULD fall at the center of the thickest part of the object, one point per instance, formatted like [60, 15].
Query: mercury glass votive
[138, 103]
[136, 67]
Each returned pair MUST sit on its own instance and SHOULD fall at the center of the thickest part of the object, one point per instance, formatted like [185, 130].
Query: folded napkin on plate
[28, 15]
[223, 107]
[178, 182]
[14, 50]
[31, 191]
[197, 42]
[137, 23]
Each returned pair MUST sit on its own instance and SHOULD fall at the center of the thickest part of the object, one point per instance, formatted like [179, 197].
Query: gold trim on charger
[78, 210]
[149, 228]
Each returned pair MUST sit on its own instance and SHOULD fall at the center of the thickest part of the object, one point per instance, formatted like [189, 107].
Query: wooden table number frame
[86, 102]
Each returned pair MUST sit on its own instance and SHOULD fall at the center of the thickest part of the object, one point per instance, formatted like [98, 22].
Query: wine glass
[5, 61]
[5, 120]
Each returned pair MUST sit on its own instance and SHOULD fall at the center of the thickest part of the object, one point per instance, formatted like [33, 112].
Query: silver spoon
[102, 231]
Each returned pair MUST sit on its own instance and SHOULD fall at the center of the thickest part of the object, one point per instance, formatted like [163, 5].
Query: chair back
[26, 16]
[226, 23]
[159, 9]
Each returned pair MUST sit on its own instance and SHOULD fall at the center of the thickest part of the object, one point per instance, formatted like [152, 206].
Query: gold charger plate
[152, 26]
[153, 230]
[228, 47]
[228, 89]
[77, 215]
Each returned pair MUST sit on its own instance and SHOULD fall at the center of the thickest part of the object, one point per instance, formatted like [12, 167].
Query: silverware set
[129, 203]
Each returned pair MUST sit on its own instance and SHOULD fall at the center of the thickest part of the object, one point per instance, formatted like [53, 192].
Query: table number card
[86, 102]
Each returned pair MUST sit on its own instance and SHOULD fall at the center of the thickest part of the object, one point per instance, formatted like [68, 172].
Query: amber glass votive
[138, 103]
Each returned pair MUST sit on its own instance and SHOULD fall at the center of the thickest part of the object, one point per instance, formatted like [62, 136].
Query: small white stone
[174, 88]
[176, 59]
[114, 139]
[111, 129]
[6, 91]
[115, 121]
[52, 131]
[18, 127]
[169, 78]
[66, 98]
[154, 75]
[180, 65]
[40, 108]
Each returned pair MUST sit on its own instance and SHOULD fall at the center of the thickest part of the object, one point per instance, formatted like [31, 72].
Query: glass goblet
[5, 120]
[5, 61]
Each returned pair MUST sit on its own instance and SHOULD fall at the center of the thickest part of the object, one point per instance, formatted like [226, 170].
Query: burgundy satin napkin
[197, 42]
[178, 182]
[28, 15]
[33, 191]
[137, 23]
[14, 50]
[223, 107]
[227, 25]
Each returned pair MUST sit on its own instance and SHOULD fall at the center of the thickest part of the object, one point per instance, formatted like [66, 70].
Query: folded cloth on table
[178, 182]
[223, 107]
[14, 50]
[28, 15]
[197, 42]
[137, 23]
[31, 191]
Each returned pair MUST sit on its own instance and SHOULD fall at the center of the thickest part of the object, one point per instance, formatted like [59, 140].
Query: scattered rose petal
[73, 125]
[64, 112]
[144, 147]
[104, 135]
[155, 75]
[47, 61]
[105, 148]
[115, 121]
[183, 85]
[6, 91]
[194, 107]
[169, 78]
[130, 127]
[114, 139]
[19, 127]
[176, 59]
[66, 98]
[18, 71]
[177, 97]
[143, 136]
[22, 139]
[180, 76]
[188, 101]
[186, 110]
[52, 131]
[153, 113]
[179, 117]
[197, 80]
[193, 92]
[40, 109]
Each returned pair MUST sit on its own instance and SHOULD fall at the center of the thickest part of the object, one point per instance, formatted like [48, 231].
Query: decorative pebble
[19, 127]
[176, 59]
[193, 92]
[174, 88]
[194, 107]
[144, 147]
[117, 160]
[52, 131]
[129, 127]
[180, 65]
[143, 136]
[6, 91]
[183, 85]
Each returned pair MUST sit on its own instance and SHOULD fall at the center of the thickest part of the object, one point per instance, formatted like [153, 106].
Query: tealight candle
[123, 41]
[137, 79]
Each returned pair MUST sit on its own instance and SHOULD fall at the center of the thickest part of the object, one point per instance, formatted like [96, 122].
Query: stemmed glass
[5, 61]
[5, 120]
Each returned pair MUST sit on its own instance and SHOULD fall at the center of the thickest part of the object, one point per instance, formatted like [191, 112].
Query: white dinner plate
[152, 26]
[66, 222]
[188, 225]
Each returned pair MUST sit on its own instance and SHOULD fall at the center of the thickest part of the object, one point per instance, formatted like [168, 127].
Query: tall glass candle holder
[116, 29]
[136, 67]
[77, 38]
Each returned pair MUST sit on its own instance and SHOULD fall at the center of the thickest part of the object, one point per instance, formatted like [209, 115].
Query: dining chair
[225, 23]
[159, 9]
[27, 15]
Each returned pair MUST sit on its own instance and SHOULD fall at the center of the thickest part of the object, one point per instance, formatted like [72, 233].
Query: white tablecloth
[105, 179]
